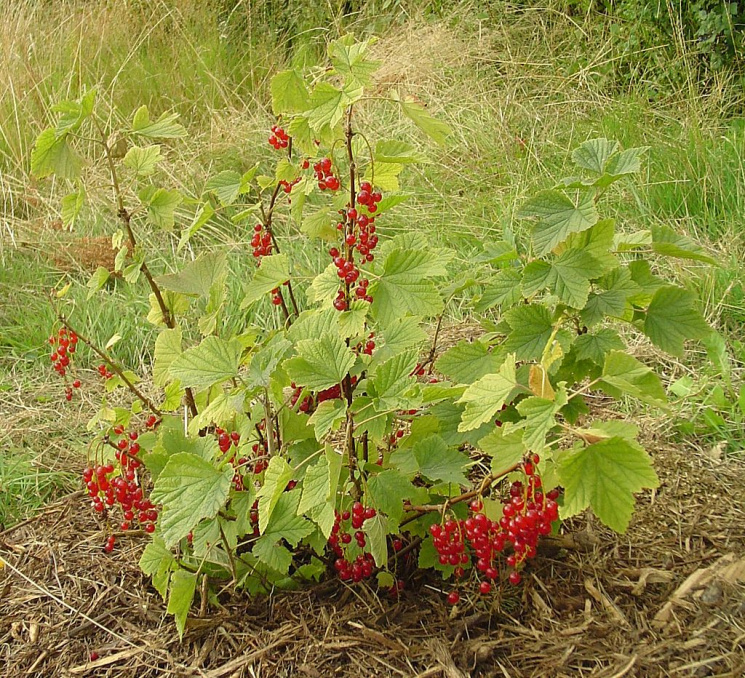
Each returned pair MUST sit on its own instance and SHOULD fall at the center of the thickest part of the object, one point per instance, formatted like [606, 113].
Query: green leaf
[167, 349]
[316, 485]
[596, 345]
[314, 324]
[273, 272]
[165, 127]
[226, 186]
[468, 361]
[289, 93]
[276, 477]
[540, 418]
[392, 380]
[558, 217]
[438, 462]
[435, 129]
[531, 328]
[199, 276]
[349, 60]
[270, 552]
[157, 562]
[325, 286]
[183, 586]
[320, 363]
[506, 448]
[385, 176]
[403, 288]
[190, 490]
[502, 290]
[351, 323]
[485, 397]
[598, 242]
[321, 224]
[605, 476]
[625, 373]
[401, 333]
[53, 155]
[71, 206]
[594, 153]
[388, 490]
[211, 362]
[626, 162]
[99, 278]
[567, 276]
[265, 361]
[74, 113]
[328, 103]
[376, 529]
[392, 200]
[143, 159]
[286, 523]
[173, 393]
[612, 294]
[328, 415]
[202, 216]
[672, 318]
[395, 151]
[669, 243]
[161, 206]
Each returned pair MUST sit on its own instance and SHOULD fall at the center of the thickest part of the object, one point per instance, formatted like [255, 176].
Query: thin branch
[110, 362]
[440, 508]
[126, 218]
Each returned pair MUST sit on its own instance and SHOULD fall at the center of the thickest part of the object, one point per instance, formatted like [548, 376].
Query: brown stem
[126, 218]
[269, 425]
[485, 484]
[110, 362]
[433, 350]
[406, 549]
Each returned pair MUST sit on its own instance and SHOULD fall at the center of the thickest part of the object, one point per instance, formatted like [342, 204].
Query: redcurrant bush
[327, 433]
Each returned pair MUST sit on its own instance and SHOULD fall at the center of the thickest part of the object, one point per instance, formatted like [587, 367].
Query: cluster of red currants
[261, 242]
[277, 298]
[278, 138]
[362, 566]
[369, 346]
[108, 485]
[325, 175]
[227, 440]
[527, 514]
[103, 370]
[64, 345]
[287, 185]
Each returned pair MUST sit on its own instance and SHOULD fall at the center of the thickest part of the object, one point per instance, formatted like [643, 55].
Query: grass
[520, 89]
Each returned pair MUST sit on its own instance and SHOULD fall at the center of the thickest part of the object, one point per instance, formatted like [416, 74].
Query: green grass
[520, 90]
[26, 485]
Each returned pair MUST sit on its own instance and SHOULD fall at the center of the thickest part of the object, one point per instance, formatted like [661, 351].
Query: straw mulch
[666, 599]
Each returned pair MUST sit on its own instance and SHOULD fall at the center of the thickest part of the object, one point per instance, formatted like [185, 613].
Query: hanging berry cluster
[526, 515]
[103, 370]
[64, 344]
[325, 175]
[109, 484]
[360, 567]
[278, 138]
[261, 241]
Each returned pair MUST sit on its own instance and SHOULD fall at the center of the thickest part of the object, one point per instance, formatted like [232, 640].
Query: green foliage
[331, 399]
